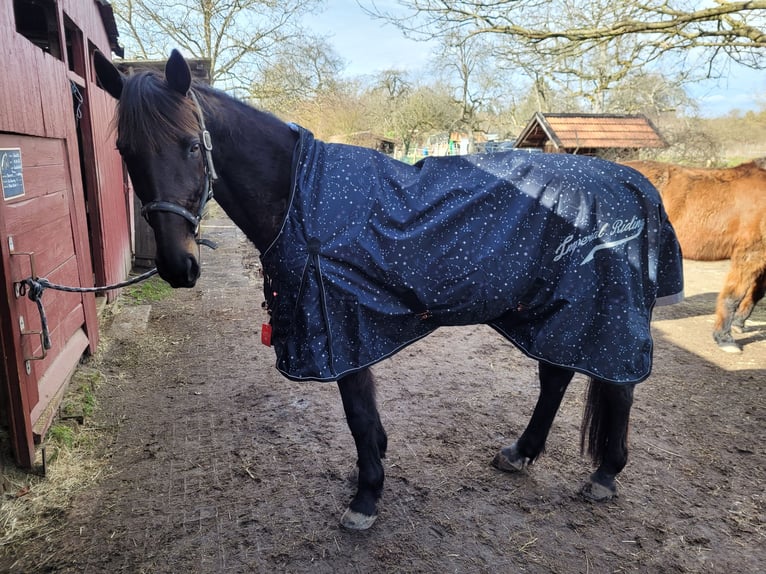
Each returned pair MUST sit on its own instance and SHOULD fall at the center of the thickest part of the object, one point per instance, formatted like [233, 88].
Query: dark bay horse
[363, 255]
[720, 214]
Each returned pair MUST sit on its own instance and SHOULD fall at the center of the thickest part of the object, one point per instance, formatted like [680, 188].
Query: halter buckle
[207, 142]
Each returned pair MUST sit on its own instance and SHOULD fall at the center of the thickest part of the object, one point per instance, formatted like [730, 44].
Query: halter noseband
[207, 193]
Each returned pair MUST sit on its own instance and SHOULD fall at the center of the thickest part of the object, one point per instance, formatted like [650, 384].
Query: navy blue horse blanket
[564, 255]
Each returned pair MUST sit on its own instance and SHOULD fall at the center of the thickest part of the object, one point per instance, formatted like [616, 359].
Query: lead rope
[33, 288]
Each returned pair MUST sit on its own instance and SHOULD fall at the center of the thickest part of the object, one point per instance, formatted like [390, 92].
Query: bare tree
[468, 64]
[400, 108]
[587, 47]
[237, 36]
[302, 72]
[563, 27]
[649, 94]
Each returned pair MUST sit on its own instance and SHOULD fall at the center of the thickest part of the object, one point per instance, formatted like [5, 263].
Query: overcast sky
[368, 46]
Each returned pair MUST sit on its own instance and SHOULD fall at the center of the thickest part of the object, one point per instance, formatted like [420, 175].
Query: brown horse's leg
[742, 288]
[358, 394]
[725, 309]
[754, 294]
[553, 384]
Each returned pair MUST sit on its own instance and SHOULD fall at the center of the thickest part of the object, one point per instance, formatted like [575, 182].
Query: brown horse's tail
[605, 420]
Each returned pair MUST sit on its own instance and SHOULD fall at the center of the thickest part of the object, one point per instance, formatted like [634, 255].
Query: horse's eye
[194, 147]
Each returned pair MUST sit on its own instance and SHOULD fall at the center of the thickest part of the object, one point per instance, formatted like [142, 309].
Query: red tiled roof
[580, 131]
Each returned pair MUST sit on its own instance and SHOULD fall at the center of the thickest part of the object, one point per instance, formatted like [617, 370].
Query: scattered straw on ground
[35, 506]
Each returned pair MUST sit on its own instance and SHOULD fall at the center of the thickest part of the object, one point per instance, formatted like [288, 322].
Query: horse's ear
[177, 73]
[108, 76]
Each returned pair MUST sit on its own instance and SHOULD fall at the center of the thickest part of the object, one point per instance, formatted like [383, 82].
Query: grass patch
[149, 291]
[62, 434]
[80, 399]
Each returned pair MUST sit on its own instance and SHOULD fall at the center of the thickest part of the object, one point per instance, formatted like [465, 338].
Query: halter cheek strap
[207, 193]
[207, 142]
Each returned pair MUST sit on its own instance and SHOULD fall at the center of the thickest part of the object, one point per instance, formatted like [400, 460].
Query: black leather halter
[207, 192]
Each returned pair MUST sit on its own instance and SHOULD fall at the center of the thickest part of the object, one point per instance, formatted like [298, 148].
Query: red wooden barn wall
[50, 220]
[109, 195]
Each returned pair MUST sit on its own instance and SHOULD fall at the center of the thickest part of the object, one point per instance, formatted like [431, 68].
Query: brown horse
[720, 214]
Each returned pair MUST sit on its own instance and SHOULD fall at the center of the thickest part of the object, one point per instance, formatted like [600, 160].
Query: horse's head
[161, 137]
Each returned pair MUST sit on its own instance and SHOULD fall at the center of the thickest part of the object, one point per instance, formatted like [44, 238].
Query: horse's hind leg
[358, 394]
[605, 424]
[553, 384]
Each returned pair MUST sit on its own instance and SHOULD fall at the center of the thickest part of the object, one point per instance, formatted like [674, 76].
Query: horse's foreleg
[743, 287]
[745, 309]
[553, 384]
[726, 309]
[358, 394]
[605, 424]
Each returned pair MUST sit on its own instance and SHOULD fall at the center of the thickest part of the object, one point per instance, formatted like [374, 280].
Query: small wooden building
[605, 135]
[453, 143]
[66, 210]
[200, 67]
[367, 139]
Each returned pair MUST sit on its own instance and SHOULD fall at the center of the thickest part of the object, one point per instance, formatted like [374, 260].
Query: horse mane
[755, 168]
[756, 165]
[151, 114]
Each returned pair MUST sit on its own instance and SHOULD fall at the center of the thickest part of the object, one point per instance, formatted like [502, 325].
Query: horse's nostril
[192, 269]
[180, 271]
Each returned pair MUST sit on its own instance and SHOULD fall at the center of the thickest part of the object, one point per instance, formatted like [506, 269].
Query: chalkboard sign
[11, 173]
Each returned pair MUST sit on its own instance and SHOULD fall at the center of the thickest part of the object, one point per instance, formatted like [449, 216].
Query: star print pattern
[564, 255]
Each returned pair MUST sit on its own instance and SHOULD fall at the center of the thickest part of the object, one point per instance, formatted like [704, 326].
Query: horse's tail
[597, 423]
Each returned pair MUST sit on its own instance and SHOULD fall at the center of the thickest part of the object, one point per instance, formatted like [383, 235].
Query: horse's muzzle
[184, 274]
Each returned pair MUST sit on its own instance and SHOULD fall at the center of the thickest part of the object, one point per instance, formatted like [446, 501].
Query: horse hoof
[730, 347]
[726, 342]
[597, 492]
[508, 459]
[354, 520]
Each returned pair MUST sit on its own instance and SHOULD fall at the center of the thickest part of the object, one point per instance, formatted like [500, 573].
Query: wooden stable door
[37, 234]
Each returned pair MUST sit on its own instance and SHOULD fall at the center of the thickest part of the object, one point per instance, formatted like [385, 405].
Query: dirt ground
[218, 464]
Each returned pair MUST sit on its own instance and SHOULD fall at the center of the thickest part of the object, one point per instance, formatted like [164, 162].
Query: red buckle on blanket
[266, 334]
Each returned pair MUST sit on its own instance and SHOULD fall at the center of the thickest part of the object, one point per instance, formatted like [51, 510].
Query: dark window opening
[37, 21]
[74, 47]
[93, 78]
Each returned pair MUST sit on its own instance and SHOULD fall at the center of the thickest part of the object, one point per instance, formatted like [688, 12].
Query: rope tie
[34, 287]
[36, 294]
